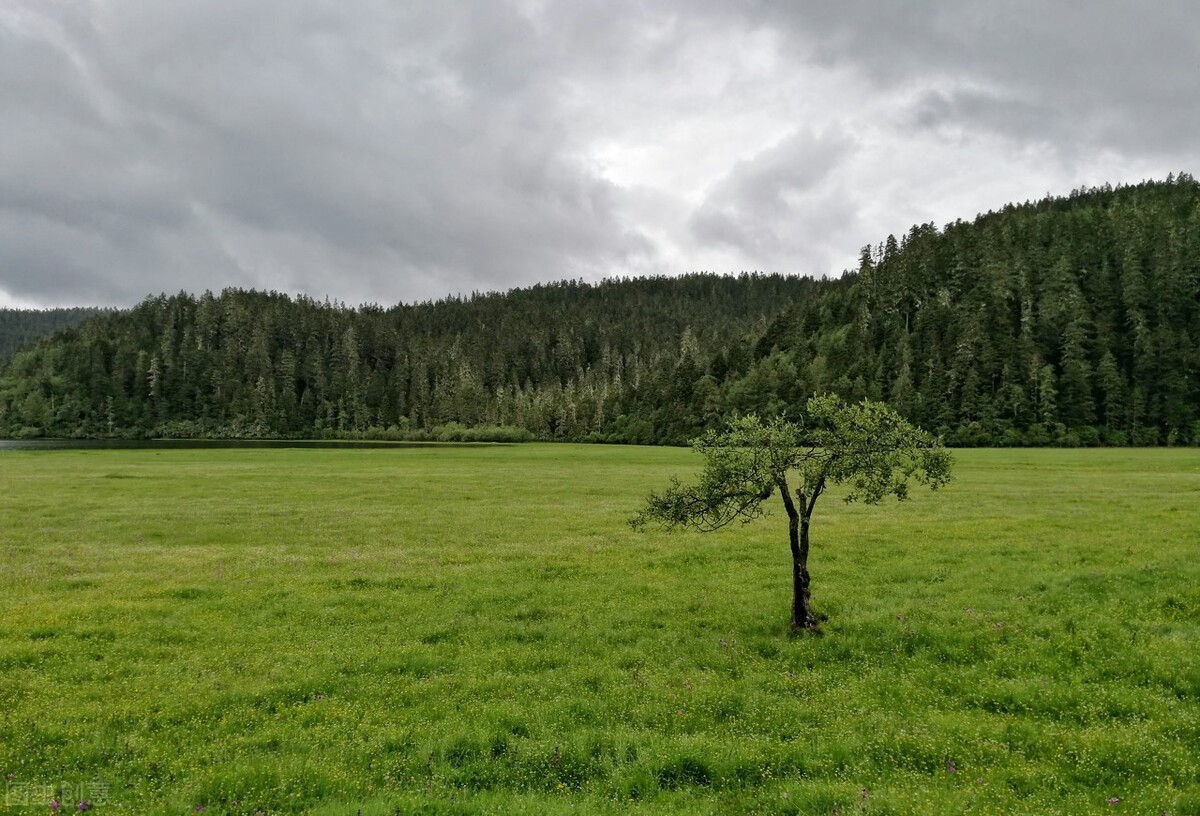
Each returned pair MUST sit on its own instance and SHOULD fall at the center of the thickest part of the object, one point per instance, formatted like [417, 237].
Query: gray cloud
[769, 205]
[387, 151]
[1113, 74]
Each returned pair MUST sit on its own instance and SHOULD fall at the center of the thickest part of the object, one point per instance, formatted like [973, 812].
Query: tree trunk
[802, 614]
[803, 618]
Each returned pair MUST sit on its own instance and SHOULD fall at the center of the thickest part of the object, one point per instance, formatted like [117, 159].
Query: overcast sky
[384, 151]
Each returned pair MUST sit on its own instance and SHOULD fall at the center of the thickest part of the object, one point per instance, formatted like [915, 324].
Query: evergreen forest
[23, 327]
[1073, 320]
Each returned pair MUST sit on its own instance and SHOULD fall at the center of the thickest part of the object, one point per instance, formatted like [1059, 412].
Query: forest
[1071, 321]
[24, 327]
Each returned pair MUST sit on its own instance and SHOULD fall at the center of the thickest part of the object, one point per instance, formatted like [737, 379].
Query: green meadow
[451, 630]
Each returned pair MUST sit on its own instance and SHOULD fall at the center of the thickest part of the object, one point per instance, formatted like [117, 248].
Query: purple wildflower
[951, 767]
[1113, 800]
[84, 805]
[55, 805]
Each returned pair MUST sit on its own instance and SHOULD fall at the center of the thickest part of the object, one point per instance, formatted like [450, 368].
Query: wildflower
[1113, 800]
[199, 808]
[55, 805]
[951, 767]
[84, 805]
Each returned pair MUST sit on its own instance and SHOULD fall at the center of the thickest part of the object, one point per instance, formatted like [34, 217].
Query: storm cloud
[380, 151]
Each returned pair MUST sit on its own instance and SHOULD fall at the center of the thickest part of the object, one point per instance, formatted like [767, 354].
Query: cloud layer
[381, 151]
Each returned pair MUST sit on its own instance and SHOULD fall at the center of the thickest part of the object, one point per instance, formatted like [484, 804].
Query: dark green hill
[622, 359]
[1072, 320]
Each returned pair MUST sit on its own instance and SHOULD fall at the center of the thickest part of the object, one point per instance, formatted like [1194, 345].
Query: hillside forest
[20, 328]
[1073, 320]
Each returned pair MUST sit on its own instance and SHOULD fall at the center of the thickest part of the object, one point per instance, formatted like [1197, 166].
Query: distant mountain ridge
[1072, 320]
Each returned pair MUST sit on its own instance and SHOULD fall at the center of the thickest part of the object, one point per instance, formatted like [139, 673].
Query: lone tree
[866, 446]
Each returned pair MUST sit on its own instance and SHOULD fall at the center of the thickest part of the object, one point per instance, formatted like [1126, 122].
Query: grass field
[476, 630]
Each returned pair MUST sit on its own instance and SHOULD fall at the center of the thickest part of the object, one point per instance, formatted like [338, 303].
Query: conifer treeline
[1073, 320]
[616, 360]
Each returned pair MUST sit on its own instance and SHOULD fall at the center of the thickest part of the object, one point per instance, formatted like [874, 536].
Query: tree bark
[803, 618]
